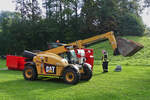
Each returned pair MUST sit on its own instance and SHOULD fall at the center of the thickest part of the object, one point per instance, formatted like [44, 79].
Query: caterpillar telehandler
[62, 61]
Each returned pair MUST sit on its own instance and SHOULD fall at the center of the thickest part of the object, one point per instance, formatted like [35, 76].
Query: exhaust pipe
[29, 54]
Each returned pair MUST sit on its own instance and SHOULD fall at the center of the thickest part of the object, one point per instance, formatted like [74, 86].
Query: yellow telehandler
[63, 62]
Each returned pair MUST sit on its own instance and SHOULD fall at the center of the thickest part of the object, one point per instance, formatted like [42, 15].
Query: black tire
[30, 73]
[71, 76]
[87, 73]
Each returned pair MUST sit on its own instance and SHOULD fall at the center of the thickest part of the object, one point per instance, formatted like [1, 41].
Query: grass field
[130, 84]
[133, 83]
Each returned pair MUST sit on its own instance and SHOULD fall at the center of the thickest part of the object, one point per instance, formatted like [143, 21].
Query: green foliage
[6, 37]
[130, 24]
[67, 21]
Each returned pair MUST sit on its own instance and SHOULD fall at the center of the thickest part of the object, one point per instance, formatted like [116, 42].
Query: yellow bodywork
[51, 57]
[55, 63]
[50, 63]
[109, 35]
[53, 60]
[80, 43]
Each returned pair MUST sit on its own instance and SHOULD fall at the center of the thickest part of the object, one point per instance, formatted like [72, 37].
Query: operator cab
[72, 55]
[55, 45]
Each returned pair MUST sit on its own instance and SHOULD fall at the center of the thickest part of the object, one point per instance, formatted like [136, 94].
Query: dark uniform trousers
[105, 66]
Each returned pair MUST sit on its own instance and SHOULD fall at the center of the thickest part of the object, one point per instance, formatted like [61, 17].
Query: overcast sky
[7, 5]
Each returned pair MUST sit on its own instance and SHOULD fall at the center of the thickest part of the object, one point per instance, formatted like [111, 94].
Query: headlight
[64, 60]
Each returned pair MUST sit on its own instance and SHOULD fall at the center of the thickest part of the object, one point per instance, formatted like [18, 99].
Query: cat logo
[50, 69]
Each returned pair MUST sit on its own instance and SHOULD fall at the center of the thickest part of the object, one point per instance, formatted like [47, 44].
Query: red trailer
[15, 62]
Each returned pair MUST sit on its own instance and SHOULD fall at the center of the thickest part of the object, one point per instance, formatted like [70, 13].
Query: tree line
[67, 20]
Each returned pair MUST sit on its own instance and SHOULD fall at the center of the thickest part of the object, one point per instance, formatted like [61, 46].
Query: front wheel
[70, 76]
[30, 73]
[87, 72]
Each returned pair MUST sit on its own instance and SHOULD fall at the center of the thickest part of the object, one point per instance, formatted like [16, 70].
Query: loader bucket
[128, 47]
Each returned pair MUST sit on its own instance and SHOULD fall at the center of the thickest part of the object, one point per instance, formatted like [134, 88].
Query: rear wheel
[30, 73]
[70, 76]
[87, 73]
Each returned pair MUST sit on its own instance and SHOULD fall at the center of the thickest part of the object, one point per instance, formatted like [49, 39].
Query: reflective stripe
[104, 59]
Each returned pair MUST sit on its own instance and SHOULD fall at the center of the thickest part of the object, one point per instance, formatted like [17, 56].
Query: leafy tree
[6, 37]
[29, 9]
[131, 24]
[67, 21]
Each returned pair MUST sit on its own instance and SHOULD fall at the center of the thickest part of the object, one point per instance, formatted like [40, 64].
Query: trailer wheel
[30, 73]
[70, 76]
[87, 73]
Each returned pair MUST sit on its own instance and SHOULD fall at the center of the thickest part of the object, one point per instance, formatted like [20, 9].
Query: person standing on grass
[105, 61]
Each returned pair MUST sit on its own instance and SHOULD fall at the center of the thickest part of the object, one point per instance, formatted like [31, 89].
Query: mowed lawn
[132, 83]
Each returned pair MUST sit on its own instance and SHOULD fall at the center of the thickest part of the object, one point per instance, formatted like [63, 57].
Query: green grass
[130, 84]
[2, 63]
[133, 83]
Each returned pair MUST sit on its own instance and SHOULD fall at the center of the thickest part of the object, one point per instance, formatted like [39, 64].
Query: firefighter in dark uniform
[105, 61]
